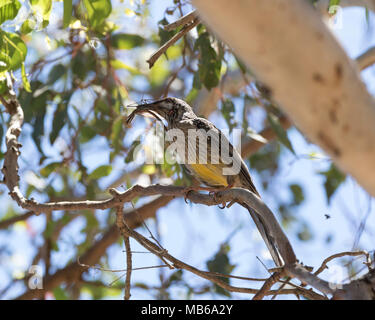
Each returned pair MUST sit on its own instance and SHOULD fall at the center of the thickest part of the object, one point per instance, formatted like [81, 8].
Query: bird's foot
[196, 189]
[214, 192]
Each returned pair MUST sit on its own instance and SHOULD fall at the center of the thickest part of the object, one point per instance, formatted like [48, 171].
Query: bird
[222, 166]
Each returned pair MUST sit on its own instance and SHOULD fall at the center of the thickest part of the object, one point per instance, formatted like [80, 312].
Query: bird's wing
[221, 141]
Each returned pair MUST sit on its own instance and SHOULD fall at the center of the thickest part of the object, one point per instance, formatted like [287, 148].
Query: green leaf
[28, 26]
[97, 11]
[1, 138]
[164, 35]
[209, 62]
[118, 64]
[304, 234]
[101, 171]
[48, 169]
[3, 86]
[59, 120]
[12, 51]
[131, 156]
[228, 111]
[60, 294]
[197, 84]
[38, 127]
[8, 9]
[25, 81]
[221, 263]
[68, 10]
[334, 2]
[333, 179]
[280, 132]
[56, 73]
[126, 41]
[42, 7]
[87, 133]
[241, 64]
[297, 192]
[192, 95]
[116, 133]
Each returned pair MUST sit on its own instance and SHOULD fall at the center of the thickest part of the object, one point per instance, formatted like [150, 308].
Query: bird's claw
[187, 194]
[214, 195]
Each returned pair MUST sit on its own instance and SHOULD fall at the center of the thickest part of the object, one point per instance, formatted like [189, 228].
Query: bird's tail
[270, 243]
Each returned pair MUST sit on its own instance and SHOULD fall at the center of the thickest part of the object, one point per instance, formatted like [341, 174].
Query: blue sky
[194, 233]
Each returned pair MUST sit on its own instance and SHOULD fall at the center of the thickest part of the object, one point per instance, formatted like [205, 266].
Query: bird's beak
[153, 106]
[155, 109]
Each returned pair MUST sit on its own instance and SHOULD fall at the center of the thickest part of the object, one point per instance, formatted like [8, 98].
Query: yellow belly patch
[210, 174]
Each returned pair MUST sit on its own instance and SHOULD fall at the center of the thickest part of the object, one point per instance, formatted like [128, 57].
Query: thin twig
[119, 221]
[128, 267]
[181, 21]
[341, 254]
[275, 277]
[151, 61]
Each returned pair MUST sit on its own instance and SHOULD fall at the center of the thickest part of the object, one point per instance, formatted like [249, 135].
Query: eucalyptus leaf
[8, 9]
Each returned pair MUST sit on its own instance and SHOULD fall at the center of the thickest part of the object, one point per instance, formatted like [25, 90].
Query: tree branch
[316, 91]
[182, 21]
[151, 61]
[73, 271]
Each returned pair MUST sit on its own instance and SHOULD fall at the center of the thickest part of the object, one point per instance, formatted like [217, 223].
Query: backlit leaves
[125, 41]
[12, 51]
[100, 172]
[68, 9]
[209, 62]
[8, 9]
[97, 11]
[43, 8]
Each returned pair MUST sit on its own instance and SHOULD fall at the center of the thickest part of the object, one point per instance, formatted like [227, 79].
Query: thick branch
[310, 76]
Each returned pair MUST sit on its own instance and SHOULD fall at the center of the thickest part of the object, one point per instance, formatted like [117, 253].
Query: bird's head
[171, 109]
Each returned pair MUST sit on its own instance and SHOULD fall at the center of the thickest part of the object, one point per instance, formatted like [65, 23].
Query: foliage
[76, 65]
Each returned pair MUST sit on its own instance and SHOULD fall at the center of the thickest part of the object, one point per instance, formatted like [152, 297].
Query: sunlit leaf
[43, 8]
[28, 26]
[68, 9]
[149, 169]
[97, 11]
[25, 81]
[118, 64]
[101, 171]
[125, 41]
[12, 51]
[48, 169]
[8, 9]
